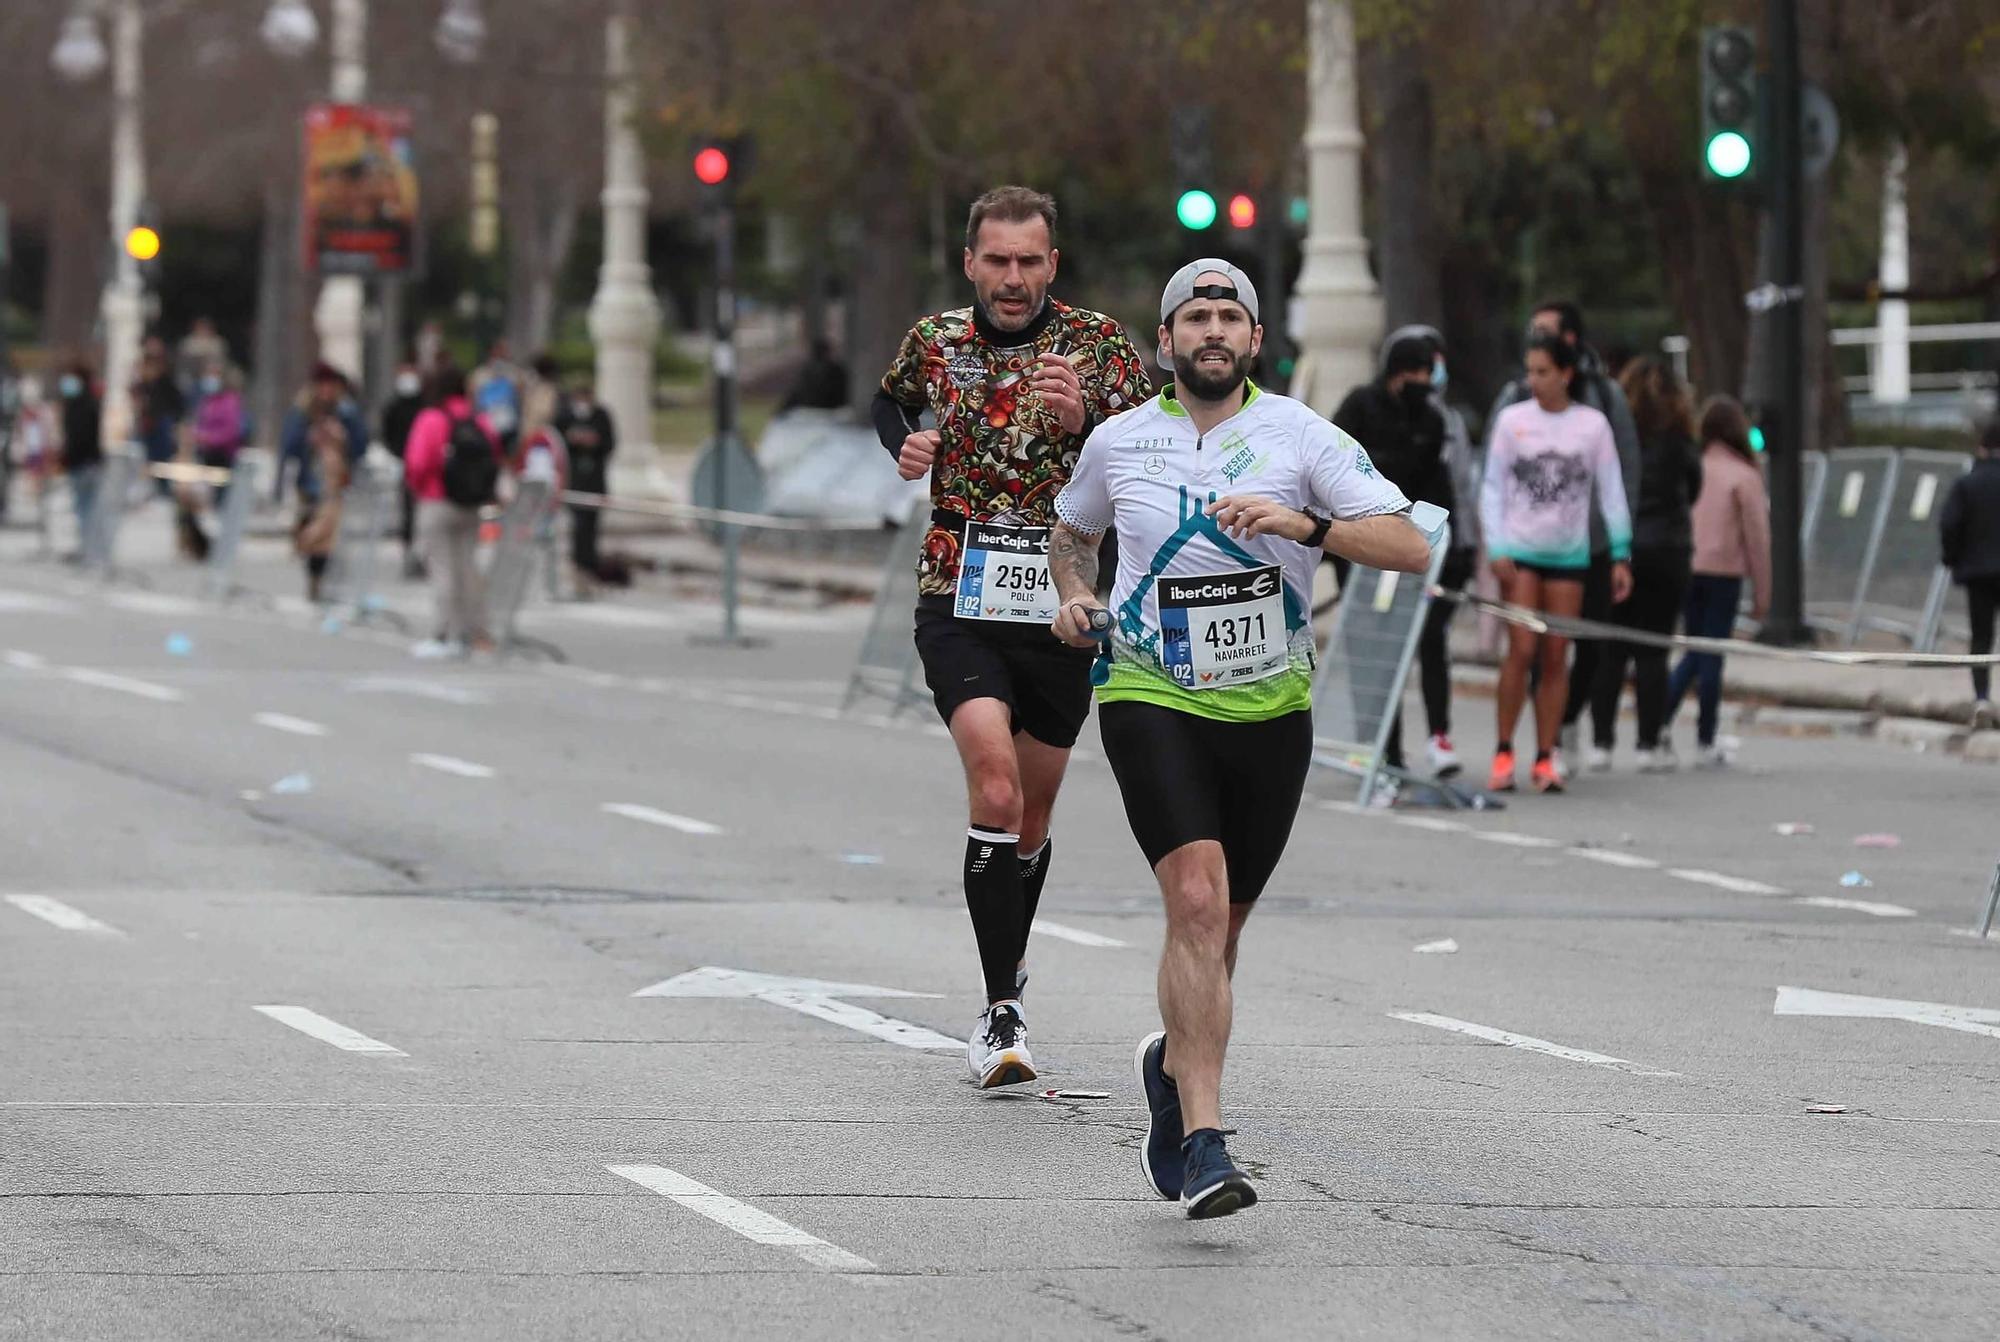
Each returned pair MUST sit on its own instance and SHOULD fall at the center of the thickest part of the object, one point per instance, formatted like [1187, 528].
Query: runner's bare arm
[1073, 569]
[1386, 541]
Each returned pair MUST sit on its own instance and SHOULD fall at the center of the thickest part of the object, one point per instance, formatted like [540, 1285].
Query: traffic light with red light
[1242, 211]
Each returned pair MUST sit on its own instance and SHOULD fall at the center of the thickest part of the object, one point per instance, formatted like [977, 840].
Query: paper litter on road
[1854, 880]
[1791, 829]
[1073, 1095]
[292, 785]
[1826, 1108]
[1877, 841]
[1444, 947]
[862, 859]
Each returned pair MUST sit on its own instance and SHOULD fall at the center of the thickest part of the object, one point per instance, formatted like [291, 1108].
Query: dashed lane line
[1611, 857]
[448, 764]
[1063, 932]
[62, 915]
[665, 819]
[23, 661]
[759, 1227]
[307, 1021]
[285, 722]
[1868, 906]
[1737, 884]
[1529, 1043]
[1511, 839]
[109, 680]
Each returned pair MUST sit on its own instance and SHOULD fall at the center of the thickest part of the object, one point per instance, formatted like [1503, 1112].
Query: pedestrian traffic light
[1729, 137]
[1195, 209]
[711, 165]
[1242, 211]
[143, 243]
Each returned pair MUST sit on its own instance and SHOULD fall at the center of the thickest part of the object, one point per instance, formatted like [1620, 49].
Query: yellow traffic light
[142, 243]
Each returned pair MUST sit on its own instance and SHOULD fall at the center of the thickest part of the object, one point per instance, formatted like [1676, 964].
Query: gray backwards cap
[1180, 289]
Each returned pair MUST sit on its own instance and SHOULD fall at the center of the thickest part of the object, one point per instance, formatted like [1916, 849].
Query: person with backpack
[452, 464]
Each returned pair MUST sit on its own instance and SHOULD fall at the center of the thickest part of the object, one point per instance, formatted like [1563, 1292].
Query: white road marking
[1858, 906]
[33, 603]
[758, 1226]
[329, 1031]
[1063, 932]
[447, 764]
[1945, 1016]
[1433, 824]
[1512, 839]
[23, 661]
[62, 915]
[421, 689]
[1737, 884]
[1530, 1043]
[1611, 857]
[108, 680]
[685, 824]
[285, 722]
[1444, 947]
[808, 997]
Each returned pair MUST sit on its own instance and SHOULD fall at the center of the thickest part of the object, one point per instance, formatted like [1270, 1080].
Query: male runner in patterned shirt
[1015, 383]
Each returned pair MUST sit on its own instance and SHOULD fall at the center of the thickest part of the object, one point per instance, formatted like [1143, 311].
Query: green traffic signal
[1196, 209]
[1728, 154]
[1756, 438]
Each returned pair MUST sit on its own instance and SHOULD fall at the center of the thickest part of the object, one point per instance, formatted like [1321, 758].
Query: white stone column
[124, 304]
[342, 298]
[1892, 316]
[624, 315]
[1340, 308]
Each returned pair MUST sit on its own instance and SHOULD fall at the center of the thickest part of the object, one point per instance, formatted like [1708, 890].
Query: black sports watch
[1321, 525]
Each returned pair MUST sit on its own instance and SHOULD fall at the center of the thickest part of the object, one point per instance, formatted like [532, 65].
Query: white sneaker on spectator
[1444, 758]
[1597, 759]
[1660, 760]
[434, 650]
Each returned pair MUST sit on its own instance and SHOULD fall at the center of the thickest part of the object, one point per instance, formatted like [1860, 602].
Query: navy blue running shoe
[1160, 1154]
[1212, 1186]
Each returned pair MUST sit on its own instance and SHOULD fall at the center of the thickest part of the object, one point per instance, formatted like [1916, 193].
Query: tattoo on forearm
[1072, 561]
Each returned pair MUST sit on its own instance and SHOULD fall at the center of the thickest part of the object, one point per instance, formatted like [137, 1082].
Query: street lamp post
[624, 316]
[338, 316]
[80, 55]
[1340, 307]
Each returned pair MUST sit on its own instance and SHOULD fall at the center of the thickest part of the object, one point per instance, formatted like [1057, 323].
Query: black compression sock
[1034, 874]
[993, 897]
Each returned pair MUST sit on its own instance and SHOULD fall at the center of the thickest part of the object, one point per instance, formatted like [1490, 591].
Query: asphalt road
[324, 1013]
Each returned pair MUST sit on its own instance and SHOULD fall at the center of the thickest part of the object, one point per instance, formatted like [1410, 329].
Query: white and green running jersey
[1206, 623]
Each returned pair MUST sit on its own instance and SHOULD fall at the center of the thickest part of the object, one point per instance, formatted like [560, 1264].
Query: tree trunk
[1706, 254]
[1408, 242]
[277, 245]
[885, 293]
[75, 277]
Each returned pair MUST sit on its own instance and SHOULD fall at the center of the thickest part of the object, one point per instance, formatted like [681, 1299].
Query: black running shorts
[1044, 682]
[1186, 778]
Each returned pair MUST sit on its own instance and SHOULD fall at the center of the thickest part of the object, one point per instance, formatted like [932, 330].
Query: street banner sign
[361, 202]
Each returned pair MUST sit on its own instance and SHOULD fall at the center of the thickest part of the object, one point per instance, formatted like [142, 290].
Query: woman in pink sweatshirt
[1732, 541]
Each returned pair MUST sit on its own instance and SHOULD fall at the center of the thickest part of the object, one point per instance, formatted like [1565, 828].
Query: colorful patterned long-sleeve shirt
[1541, 469]
[1002, 456]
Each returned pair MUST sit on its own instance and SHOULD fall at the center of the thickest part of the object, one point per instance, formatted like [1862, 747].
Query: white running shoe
[1660, 760]
[1384, 796]
[997, 1053]
[1597, 759]
[1717, 756]
[434, 650]
[1444, 759]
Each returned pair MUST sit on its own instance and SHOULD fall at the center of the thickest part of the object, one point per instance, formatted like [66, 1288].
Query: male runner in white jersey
[1015, 382]
[1224, 495]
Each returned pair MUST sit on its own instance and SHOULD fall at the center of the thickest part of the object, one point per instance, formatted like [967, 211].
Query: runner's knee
[996, 797]
[1197, 900]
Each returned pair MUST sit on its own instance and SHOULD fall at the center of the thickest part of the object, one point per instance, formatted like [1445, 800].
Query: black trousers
[1982, 599]
[1434, 657]
[583, 538]
[1596, 606]
[1659, 589]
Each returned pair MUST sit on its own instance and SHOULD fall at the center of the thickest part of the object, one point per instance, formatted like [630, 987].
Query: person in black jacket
[585, 425]
[397, 417]
[82, 441]
[1662, 554]
[1970, 531]
[1397, 418]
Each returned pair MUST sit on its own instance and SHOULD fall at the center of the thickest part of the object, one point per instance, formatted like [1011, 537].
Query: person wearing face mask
[1400, 418]
[586, 427]
[82, 441]
[397, 417]
[1015, 381]
[220, 425]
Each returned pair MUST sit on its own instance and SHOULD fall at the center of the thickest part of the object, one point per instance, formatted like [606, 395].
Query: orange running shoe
[1503, 772]
[1547, 776]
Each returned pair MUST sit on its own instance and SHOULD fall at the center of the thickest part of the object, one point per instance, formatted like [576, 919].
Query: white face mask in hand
[408, 384]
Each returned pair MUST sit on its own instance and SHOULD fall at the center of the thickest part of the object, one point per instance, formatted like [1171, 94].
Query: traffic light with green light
[1195, 209]
[1730, 142]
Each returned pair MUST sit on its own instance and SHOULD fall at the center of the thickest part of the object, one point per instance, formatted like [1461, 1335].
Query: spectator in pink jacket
[450, 488]
[1732, 541]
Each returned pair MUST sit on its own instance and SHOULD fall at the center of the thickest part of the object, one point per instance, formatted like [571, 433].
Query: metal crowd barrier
[1359, 685]
[371, 501]
[886, 667]
[513, 569]
[1871, 544]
